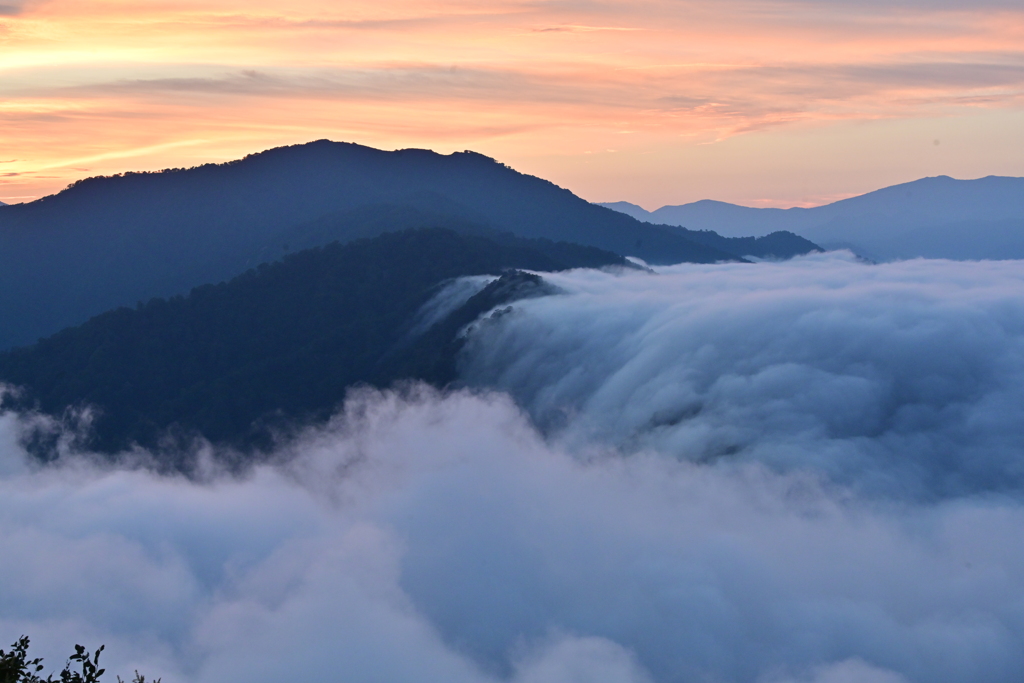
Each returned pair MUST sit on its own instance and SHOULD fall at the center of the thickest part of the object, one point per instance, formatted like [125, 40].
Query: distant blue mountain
[637, 212]
[936, 217]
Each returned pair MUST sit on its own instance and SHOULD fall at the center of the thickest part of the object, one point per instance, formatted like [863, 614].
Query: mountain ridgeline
[242, 361]
[111, 241]
[939, 217]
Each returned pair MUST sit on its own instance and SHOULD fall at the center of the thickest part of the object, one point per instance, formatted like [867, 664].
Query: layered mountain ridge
[936, 217]
[240, 362]
[112, 241]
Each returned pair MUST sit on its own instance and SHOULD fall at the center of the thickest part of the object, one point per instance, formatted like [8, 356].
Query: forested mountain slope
[236, 361]
[112, 241]
[780, 244]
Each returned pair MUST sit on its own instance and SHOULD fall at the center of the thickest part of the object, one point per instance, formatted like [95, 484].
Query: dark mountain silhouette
[729, 219]
[112, 241]
[279, 344]
[938, 217]
[780, 244]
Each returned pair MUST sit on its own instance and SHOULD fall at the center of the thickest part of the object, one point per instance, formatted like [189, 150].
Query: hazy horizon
[755, 204]
[768, 204]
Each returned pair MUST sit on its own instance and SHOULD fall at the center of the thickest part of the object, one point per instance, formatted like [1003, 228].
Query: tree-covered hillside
[109, 241]
[238, 360]
[777, 245]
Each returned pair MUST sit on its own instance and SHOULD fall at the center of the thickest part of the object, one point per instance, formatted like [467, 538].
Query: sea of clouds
[902, 379]
[807, 472]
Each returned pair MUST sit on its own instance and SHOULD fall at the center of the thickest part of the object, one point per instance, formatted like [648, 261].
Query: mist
[804, 471]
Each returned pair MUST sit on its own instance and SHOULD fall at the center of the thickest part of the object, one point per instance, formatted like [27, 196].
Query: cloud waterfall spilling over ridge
[422, 536]
[900, 379]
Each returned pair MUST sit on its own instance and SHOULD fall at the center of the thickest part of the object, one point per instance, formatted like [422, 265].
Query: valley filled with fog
[802, 471]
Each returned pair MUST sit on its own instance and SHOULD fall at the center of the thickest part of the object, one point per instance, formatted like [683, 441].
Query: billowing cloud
[442, 539]
[905, 377]
[782, 473]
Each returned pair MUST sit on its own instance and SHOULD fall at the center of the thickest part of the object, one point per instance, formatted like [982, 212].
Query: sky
[761, 102]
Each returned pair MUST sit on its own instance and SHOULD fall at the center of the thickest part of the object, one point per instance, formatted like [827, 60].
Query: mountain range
[938, 217]
[234, 302]
[113, 241]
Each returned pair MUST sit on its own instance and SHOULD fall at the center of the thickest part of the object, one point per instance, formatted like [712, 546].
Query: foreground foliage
[81, 667]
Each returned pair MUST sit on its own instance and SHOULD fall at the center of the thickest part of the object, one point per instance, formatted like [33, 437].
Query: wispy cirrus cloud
[411, 80]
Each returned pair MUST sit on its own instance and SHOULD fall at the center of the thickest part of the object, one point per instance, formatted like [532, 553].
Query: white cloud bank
[904, 378]
[431, 538]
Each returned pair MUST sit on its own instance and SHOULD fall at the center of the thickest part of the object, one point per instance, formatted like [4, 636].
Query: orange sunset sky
[761, 102]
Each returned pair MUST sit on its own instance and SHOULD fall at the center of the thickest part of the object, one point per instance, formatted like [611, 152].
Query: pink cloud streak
[110, 85]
